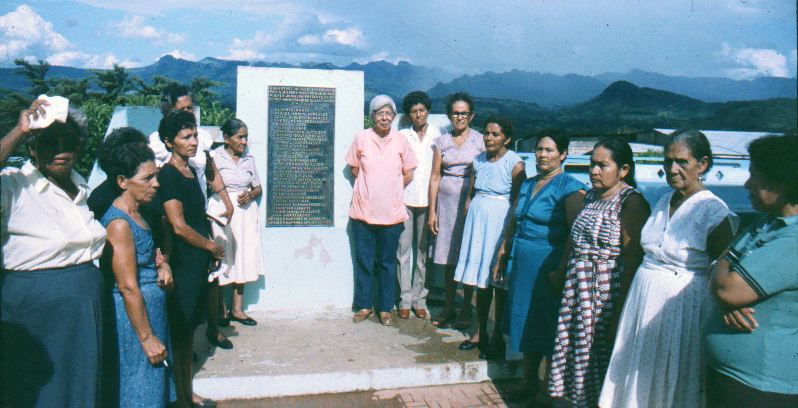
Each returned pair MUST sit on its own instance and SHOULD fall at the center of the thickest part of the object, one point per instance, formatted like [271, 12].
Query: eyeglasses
[383, 115]
[464, 114]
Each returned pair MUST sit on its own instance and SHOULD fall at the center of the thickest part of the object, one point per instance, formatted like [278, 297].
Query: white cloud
[755, 62]
[303, 36]
[350, 36]
[84, 60]
[382, 56]
[133, 27]
[26, 34]
[181, 55]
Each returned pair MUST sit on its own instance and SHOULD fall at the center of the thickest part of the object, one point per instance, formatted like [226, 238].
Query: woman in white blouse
[658, 359]
[244, 254]
[50, 338]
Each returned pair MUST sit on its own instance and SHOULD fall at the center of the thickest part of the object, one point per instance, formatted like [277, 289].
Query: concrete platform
[322, 351]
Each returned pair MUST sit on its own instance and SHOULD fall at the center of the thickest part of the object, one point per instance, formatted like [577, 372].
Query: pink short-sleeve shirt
[378, 194]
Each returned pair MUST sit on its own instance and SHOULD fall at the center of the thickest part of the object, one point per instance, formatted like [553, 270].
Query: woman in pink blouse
[381, 163]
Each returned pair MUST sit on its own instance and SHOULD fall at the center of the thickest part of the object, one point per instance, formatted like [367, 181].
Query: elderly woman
[178, 98]
[184, 206]
[381, 163]
[448, 191]
[668, 301]
[413, 242]
[759, 367]
[244, 256]
[134, 376]
[495, 181]
[533, 244]
[599, 261]
[50, 339]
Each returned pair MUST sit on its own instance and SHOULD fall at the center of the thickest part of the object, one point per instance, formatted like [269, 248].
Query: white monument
[314, 114]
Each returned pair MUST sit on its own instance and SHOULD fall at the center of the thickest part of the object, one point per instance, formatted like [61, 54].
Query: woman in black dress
[184, 206]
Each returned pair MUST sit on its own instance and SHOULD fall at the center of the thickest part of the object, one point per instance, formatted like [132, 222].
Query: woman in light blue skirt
[498, 174]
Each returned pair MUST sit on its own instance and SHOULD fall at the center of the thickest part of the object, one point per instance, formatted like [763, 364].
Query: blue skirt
[51, 337]
[129, 378]
[530, 316]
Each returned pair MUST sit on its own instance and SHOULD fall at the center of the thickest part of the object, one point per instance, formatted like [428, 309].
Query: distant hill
[543, 89]
[709, 89]
[533, 100]
[625, 106]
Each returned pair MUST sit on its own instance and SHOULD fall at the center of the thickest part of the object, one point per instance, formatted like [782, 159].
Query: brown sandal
[361, 315]
[385, 319]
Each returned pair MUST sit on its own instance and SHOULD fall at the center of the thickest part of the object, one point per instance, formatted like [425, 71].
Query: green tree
[116, 82]
[76, 91]
[35, 73]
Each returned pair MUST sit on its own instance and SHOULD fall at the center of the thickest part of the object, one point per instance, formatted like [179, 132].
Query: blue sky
[739, 39]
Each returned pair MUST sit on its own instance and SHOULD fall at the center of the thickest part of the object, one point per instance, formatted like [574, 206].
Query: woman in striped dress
[604, 252]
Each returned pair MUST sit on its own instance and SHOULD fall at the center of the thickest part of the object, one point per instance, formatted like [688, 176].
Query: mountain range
[546, 90]
[533, 100]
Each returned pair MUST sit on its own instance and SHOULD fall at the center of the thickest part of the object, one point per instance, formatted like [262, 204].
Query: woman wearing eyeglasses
[381, 163]
[448, 190]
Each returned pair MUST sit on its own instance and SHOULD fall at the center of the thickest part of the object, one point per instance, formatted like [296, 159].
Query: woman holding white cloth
[244, 254]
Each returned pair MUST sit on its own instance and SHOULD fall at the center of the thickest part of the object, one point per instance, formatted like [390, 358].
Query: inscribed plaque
[301, 150]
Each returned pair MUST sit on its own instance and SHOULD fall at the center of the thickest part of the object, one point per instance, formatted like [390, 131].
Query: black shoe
[496, 350]
[469, 345]
[223, 344]
[223, 321]
[208, 403]
[246, 322]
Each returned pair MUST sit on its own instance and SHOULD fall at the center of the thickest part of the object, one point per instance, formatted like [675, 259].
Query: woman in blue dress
[136, 372]
[532, 247]
[497, 176]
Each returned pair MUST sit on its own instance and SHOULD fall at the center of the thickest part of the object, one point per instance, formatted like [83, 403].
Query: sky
[739, 39]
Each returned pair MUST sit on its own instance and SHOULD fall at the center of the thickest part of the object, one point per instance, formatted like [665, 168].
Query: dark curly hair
[621, 154]
[121, 154]
[414, 98]
[776, 158]
[171, 93]
[696, 142]
[458, 97]
[173, 122]
[504, 123]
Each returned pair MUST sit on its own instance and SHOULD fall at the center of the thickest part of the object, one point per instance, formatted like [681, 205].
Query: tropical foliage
[97, 96]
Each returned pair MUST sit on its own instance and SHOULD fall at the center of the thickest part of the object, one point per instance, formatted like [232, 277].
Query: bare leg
[451, 291]
[212, 331]
[238, 301]
[182, 358]
[464, 320]
[484, 297]
[500, 300]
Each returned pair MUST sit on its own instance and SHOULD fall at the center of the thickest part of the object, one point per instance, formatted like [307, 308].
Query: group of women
[122, 335]
[609, 294]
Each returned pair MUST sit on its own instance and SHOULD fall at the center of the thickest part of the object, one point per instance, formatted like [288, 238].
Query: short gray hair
[379, 102]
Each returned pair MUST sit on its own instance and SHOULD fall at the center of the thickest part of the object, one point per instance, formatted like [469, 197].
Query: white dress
[243, 253]
[657, 360]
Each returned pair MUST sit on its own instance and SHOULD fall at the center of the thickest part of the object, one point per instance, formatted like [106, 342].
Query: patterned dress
[452, 192]
[582, 350]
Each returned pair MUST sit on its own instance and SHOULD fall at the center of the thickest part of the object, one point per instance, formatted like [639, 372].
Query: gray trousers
[412, 259]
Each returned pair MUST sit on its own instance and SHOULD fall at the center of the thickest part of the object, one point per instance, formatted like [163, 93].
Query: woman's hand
[245, 197]
[741, 319]
[433, 222]
[36, 109]
[165, 281]
[154, 349]
[216, 250]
